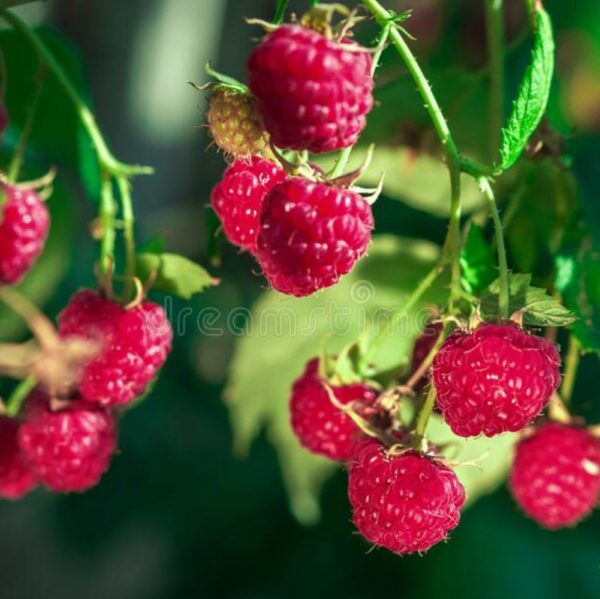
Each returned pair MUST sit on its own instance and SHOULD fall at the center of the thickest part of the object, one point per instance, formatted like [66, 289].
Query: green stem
[495, 44]
[423, 418]
[18, 396]
[19, 155]
[107, 220]
[280, 11]
[454, 239]
[571, 366]
[488, 192]
[128, 234]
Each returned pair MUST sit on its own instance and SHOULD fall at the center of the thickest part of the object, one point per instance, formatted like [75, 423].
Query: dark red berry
[495, 379]
[555, 477]
[423, 346]
[319, 425]
[234, 123]
[16, 479]
[407, 502]
[69, 449]
[134, 344]
[238, 198]
[312, 93]
[311, 234]
[24, 224]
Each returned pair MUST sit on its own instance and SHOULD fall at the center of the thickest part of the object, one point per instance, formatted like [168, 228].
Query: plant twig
[571, 366]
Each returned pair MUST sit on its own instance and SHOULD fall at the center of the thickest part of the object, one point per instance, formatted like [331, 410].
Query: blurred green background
[177, 515]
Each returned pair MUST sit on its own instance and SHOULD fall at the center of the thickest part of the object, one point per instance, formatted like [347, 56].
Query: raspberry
[311, 234]
[24, 223]
[134, 345]
[556, 475]
[238, 198]
[406, 503]
[234, 123]
[15, 478]
[70, 449]
[423, 347]
[312, 93]
[495, 379]
[319, 425]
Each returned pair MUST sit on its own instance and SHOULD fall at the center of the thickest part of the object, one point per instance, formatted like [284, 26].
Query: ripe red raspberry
[319, 425]
[24, 223]
[423, 346]
[555, 477]
[70, 449]
[406, 503]
[234, 123]
[134, 345]
[495, 379]
[312, 93]
[311, 234]
[15, 478]
[238, 198]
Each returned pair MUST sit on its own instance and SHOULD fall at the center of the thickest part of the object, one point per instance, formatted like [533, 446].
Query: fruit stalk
[18, 396]
[571, 365]
[488, 192]
[423, 418]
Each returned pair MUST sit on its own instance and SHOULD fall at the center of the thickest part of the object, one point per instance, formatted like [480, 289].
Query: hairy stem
[488, 192]
[128, 218]
[18, 396]
[571, 366]
[107, 216]
[423, 418]
[495, 42]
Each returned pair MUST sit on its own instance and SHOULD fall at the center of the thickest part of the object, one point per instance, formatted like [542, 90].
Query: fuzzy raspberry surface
[423, 346]
[16, 479]
[495, 379]
[319, 425]
[24, 224]
[134, 345]
[555, 477]
[311, 234]
[312, 93]
[238, 198]
[69, 449]
[406, 503]
[234, 123]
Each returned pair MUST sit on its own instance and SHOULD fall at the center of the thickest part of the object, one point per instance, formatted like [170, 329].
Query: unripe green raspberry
[234, 123]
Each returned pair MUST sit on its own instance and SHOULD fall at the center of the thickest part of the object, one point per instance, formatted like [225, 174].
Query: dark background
[177, 516]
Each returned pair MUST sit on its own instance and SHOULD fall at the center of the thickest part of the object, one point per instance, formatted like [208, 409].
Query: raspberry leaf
[174, 274]
[534, 92]
[477, 262]
[538, 308]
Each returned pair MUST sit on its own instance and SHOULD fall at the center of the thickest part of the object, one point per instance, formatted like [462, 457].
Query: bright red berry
[311, 234]
[69, 449]
[422, 348]
[407, 502]
[134, 344]
[495, 379]
[238, 198]
[16, 479]
[234, 123]
[555, 477]
[319, 425]
[24, 224]
[312, 93]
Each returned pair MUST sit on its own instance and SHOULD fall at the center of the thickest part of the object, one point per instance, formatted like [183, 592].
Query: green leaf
[477, 261]
[174, 274]
[286, 332]
[539, 309]
[419, 180]
[578, 279]
[534, 92]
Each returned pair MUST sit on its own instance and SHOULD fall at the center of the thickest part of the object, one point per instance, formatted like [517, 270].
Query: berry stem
[495, 42]
[488, 192]
[280, 11]
[418, 374]
[452, 248]
[128, 219]
[107, 220]
[17, 159]
[571, 366]
[19, 394]
[423, 419]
